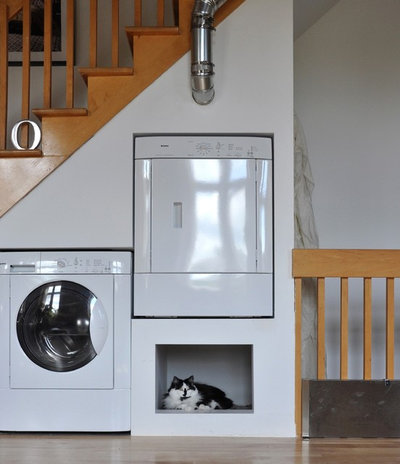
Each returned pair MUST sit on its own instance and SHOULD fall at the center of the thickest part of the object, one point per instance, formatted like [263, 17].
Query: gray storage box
[351, 408]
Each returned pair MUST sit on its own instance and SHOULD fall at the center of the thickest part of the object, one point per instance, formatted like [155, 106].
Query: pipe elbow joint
[202, 83]
[202, 65]
[203, 97]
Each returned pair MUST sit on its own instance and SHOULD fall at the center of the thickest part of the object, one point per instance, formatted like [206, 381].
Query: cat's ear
[175, 380]
[190, 379]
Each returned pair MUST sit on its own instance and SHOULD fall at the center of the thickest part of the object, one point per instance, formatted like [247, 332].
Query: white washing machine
[65, 341]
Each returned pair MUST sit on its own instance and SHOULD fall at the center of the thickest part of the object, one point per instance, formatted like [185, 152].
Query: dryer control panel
[196, 146]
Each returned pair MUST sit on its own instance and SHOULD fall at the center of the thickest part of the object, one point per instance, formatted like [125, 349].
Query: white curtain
[305, 237]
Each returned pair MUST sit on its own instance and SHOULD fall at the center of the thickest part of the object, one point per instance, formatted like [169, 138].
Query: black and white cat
[190, 396]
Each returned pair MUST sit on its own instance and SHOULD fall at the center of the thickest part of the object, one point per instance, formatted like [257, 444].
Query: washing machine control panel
[85, 263]
[65, 262]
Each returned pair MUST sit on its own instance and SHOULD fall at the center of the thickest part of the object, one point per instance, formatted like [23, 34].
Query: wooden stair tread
[143, 30]
[20, 153]
[104, 72]
[136, 31]
[59, 112]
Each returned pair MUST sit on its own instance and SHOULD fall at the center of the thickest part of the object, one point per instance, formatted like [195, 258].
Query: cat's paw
[184, 407]
[204, 407]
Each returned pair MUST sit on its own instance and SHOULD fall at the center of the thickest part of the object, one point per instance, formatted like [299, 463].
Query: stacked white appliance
[65, 341]
[203, 226]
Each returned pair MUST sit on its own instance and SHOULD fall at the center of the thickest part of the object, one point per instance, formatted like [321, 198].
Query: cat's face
[182, 389]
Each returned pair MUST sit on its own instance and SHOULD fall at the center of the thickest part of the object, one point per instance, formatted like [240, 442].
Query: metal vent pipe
[202, 65]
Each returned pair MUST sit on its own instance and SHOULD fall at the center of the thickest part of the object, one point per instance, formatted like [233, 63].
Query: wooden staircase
[110, 89]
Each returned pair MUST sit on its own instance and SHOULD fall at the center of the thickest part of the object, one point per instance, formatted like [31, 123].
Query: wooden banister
[345, 264]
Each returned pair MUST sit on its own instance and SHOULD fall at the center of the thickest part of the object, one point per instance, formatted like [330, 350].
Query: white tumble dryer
[203, 226]
[65, 341]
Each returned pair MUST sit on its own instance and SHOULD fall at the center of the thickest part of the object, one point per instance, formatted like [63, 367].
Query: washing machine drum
[61, 326]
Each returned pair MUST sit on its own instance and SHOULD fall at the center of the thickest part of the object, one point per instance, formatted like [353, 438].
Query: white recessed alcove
[239, 356]
[227, 367]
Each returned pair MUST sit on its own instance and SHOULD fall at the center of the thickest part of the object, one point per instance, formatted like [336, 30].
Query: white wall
[87, 202]
[347, 74]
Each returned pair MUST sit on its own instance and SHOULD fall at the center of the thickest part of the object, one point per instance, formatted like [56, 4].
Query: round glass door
[61, 326]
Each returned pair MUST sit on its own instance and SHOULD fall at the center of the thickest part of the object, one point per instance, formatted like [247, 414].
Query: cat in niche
[188, 395]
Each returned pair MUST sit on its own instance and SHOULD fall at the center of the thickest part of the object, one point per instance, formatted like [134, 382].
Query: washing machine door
[61, 326]
[61, 331]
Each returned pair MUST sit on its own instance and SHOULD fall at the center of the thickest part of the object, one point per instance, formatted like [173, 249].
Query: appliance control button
[61, 263]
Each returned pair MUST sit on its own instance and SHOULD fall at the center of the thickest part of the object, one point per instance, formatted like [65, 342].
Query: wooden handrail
[344, 264]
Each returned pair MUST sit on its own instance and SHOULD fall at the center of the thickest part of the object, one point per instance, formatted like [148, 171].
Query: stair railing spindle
[367, 328]
[321, 328]
[47, 51]
[115, 34]
[3, 74]
[344, 327]
[93, 33]
[390, 326]
[138, 13]
[160, 12]
[26, 70]
[298, 347]
[69, 89]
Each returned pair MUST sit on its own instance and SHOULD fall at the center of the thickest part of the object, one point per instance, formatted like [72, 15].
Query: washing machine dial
[61, 263]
